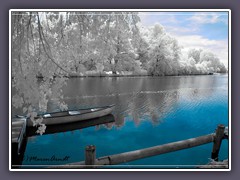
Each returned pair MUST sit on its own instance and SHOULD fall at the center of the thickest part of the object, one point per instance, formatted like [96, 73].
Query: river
[149, 111]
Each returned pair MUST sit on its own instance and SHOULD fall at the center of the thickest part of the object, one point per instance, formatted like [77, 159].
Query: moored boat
[73, 116]
[58, 128]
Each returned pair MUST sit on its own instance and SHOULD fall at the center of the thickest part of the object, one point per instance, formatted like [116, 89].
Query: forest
[63, 44]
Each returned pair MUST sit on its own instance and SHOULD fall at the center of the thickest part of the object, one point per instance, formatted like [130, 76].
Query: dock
[18, 139]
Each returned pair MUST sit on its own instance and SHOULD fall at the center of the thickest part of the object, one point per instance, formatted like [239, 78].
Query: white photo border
[126, 10]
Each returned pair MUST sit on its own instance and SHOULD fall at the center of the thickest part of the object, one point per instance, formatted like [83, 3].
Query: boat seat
[74, 112]
[58, 114]
[47, 115]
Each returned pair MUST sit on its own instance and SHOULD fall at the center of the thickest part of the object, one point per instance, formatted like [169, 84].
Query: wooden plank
[18, 133]
[17, 123]
[15, 136]
[16, 128]
[14, 139]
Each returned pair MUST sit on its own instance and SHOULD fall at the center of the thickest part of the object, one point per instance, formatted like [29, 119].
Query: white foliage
[164, 51]
[99, 67]
[17, 101]
[201, 62]
[191, 61]
[41, 129]
[63, 106]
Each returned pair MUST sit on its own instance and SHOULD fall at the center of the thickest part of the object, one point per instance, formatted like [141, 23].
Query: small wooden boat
[73, 116]
[58, 128]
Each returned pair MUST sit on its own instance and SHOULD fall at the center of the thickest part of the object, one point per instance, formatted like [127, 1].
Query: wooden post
[90, 155]
[217, 141]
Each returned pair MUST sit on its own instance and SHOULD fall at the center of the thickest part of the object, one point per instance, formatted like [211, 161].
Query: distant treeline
[91, 43]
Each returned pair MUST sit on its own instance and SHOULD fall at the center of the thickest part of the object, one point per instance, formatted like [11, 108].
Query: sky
[205, 30]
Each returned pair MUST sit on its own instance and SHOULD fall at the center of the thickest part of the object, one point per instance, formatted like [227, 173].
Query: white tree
[213, 62]
[195, 54]
[164, 51]
[199, 61]
[57, 44]
[32, 56]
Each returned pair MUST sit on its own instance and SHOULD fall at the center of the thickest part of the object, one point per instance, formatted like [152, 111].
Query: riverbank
[136, 75]
[103, 74]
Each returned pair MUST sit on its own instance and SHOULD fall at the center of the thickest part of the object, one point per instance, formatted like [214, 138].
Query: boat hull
[57, 128]
[74, 118]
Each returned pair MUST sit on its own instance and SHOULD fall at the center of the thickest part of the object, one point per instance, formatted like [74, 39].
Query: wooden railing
[92, 162]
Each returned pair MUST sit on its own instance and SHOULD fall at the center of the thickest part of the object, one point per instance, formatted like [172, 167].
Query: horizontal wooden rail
[148, 152]
[156, 150]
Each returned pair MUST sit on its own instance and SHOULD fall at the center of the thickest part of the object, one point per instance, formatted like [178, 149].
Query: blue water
[181, 108]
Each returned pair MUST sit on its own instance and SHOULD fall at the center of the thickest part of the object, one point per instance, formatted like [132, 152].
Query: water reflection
[137, 98]
[149, 111]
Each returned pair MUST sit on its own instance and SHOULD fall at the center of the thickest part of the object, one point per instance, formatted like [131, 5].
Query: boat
[72, 116]
[59, 128]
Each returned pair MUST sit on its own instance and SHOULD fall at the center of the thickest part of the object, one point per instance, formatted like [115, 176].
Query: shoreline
[129, 75]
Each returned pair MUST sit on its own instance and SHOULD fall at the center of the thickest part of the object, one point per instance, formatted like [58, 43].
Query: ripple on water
[149, 111]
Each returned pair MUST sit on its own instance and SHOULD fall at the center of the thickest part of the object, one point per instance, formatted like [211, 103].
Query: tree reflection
[153, 101]
[138, 98]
